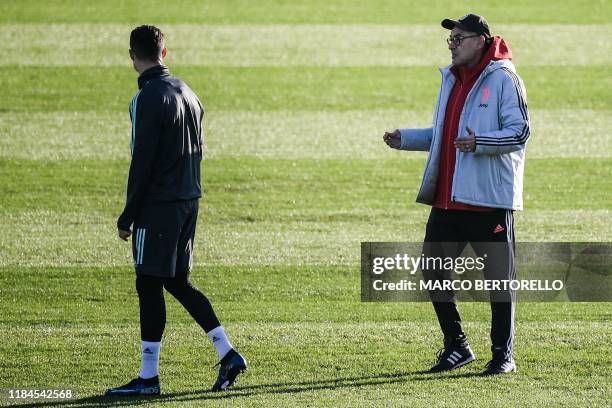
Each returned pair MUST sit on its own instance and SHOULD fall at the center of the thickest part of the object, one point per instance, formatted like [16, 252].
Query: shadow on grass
[246, 391]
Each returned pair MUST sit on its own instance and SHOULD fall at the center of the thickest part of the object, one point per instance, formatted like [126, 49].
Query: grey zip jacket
[496, 109]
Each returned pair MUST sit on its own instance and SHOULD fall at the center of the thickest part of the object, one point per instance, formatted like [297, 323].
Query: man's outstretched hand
[393, 139]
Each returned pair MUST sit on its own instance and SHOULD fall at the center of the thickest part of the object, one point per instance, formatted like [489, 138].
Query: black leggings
[153, 307]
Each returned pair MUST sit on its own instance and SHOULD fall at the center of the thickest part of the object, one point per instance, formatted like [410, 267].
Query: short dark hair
[147, 42]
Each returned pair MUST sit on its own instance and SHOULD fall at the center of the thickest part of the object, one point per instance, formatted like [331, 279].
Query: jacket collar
[491, 66]
[467, 74]
[157, 71]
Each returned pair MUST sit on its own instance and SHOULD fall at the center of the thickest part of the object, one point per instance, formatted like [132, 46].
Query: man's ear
[164, 52]
[482, 41]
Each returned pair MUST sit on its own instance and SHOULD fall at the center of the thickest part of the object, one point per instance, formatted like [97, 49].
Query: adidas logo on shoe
[452, 358]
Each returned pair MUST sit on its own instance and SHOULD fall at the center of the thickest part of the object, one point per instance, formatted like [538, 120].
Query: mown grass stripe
[295, 45]
[73, 240]
[102, 89]
[301, 11]
[286, 185]
[284, 134]
[276, 346]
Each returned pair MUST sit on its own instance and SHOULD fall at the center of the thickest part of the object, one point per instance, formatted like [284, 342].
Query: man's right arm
[415, 139]
[147, 114]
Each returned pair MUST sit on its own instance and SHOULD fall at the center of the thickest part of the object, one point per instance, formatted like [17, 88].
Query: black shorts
[162, 242]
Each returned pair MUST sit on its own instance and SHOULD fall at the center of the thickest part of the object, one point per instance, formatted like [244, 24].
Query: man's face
[469, 49]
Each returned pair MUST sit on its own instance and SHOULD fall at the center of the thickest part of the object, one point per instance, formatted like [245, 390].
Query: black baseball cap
[470, 22]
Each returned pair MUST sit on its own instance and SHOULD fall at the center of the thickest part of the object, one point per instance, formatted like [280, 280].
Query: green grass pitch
[298, 95]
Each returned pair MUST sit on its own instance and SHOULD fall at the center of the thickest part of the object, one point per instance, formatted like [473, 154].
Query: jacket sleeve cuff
[124, 224]
[478, 148]
[493, 150]
[404, 143]
[415, 139]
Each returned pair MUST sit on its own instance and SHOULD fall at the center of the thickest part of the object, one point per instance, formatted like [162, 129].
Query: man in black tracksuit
[162, 206]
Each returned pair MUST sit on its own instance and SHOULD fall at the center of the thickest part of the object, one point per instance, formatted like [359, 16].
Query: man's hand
[466, 143]
[393, 139]
[124, 235]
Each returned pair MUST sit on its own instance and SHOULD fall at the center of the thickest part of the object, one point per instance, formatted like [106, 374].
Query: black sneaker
[499, 366]
[230, 366]
[138, 386]
[451, 358]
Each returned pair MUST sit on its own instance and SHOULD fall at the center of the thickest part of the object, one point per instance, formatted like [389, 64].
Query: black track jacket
[166, 143]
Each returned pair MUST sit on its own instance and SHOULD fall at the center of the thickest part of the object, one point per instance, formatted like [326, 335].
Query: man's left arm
[514, 119]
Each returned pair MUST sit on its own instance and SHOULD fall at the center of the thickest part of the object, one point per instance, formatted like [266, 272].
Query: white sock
[149, 362]
[220, 341]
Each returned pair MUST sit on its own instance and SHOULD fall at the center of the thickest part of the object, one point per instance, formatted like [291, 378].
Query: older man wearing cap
[473, 179]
